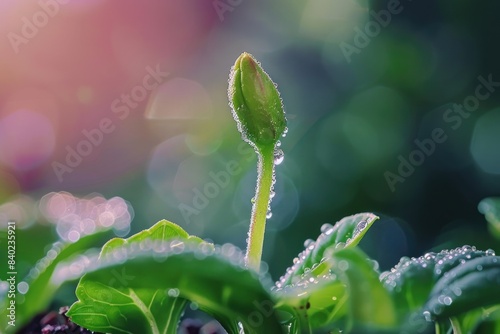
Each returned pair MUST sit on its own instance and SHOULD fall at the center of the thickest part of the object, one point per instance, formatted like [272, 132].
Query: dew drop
[361, 225]
[340, 245]
[457, 291]
[279, 156]
[479, 267]
[22, 287]
[271, 194]
[325, 227]
[173, 292]
[252, 200]
[343, 265]
[278, 143]
[308, 242]
[430, 256]
[269, 214]
[285, 131]
[427, 315]
[466, 248]
[375, 265]
[490, 252]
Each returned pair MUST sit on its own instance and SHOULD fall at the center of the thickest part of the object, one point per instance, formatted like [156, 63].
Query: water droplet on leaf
[308, 242]
[343, 265]
[173, 292]
[325, 227]
[427, 315]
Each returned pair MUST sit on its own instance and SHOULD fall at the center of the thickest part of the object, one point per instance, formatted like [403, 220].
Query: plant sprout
[258, 111]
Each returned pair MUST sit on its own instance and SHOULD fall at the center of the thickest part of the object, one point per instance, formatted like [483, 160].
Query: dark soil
[53, 323]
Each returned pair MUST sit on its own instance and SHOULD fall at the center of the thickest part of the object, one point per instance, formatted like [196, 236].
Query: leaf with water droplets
[412, 281]
[346, 233]
[341, 292]
[474, 284]
[42, 281]
[161, 231]
[142, 285]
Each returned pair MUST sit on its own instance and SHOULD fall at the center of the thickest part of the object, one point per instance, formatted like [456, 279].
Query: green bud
[255, 103]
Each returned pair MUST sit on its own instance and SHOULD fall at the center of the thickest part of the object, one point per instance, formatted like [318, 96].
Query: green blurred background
[359, 87]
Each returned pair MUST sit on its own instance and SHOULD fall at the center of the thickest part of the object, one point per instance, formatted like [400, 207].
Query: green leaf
[490, 207]
[326, 301]
[413, 283]
[161, 231]
[346, 284]
[317, 299]
[411, 280]
[371, 306]
[346, 233]
[142, 284]
[42, 281]
[470, 285]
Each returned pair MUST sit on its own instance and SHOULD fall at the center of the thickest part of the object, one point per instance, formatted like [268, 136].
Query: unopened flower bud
[255, 103]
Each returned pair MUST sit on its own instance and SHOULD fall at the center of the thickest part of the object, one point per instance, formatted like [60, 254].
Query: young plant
[143, 284]
[258, 111]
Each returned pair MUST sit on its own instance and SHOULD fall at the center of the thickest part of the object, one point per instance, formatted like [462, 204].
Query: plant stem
[455, 324]
[265, 170]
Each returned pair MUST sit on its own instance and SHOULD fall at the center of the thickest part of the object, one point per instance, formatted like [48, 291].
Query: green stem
[455, 324]
[265, 171]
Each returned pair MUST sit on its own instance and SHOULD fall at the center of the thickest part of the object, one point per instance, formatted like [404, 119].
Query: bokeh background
[84, 68]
